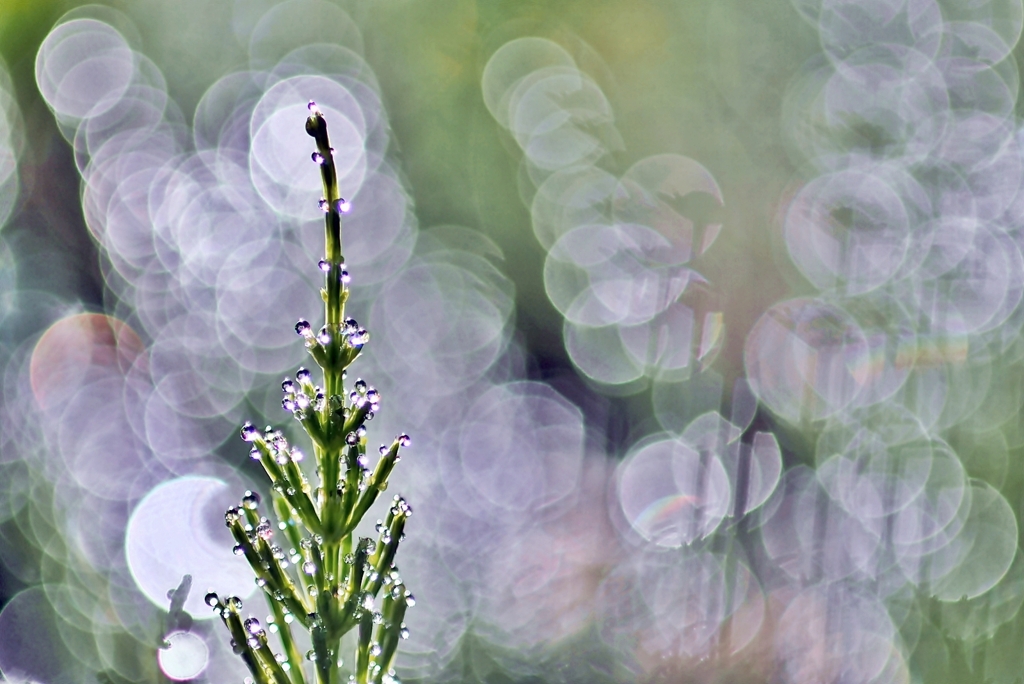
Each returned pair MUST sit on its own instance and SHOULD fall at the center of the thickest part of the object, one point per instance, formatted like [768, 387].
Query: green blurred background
[704, 79]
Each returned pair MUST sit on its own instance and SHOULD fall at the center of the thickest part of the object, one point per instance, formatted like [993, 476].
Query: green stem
[291, 491]
[232, 620]
[363, 647]
[291, 650]
[389, 633]
[334, 303]
[269, 661]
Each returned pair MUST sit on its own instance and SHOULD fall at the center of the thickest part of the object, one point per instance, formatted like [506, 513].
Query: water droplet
[313, 109]
[325, 206]
[260, 582]
[317, 158]
[249, 433]
[288, 404]
[324, 265]
[359, 337]
[375, 647]
[303, 328]
[232, 515]
[264, 531]
[345, 277]
[323, 337]
[297, 455]
[361, 431]
[410, 600]
[311, 655]
[404, 440]
[288, 387]
[250, 500]
[343, 206]
[212, 599]
[302, 375]
[309, 567]
[382, 450]
[351, 439]
[360, 386]
[238, 550]
[253, 642]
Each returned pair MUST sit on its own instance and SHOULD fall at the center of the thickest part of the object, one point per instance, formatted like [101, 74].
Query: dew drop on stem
[232, 515]
[264, 530]
[250, 500]
[249, 433]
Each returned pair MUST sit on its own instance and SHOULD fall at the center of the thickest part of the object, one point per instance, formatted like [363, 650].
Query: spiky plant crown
[328, 582]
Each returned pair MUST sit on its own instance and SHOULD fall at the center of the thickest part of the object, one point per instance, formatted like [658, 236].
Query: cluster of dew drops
[257, 635]
[276, 442]
[355, 336]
